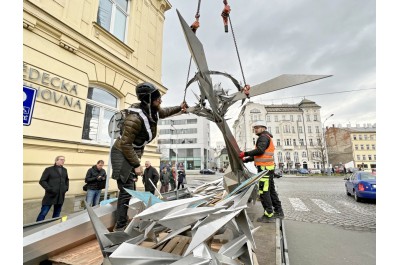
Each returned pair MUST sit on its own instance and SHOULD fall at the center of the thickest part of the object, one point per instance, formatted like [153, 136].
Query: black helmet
[147, 92]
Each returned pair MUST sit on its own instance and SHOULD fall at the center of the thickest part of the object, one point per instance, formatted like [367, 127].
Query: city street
[325, 226]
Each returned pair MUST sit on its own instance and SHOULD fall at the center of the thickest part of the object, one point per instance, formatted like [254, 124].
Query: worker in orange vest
[263, 157]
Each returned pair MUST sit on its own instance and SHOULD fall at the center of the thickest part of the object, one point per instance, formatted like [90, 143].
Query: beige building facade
[84, 58]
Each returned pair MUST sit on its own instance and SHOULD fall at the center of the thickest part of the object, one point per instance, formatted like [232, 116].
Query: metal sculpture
[219, 101]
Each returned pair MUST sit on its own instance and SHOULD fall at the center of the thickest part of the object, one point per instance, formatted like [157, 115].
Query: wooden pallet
[89, 253]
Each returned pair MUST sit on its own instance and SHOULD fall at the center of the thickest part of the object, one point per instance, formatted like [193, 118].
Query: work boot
[266, 219]
[116, 229]
[279, 214]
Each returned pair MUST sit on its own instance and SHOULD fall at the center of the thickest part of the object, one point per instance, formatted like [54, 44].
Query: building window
[293, 131]
[359, 137]
[319, 141]
[298, 117]
[358, 157]
[309, 129]
[100, 107]
[375, 157]
[268, 118]
[315, 117]
[304, 154]
[317, 129]
[276, 129]
[300, 129]
[373, 147]
[308, 117]
[286, 129]
[280, 160]
[288, 142]
[311, 142]
[356, 146]
[278, 142]
[255, 114]
[354, 137]
[364, 158]
[301, 142]
[371, 137]
[191, 121]
[291, 117]
[269, 129]
[365, 137]
[276, 117]
[112, 15]
[296, 157]
[287, 156]
[367, 146]
[369, 157]
[361, 146]
[294, 142]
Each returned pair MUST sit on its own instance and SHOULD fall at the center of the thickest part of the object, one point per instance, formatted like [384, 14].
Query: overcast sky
[282, 37]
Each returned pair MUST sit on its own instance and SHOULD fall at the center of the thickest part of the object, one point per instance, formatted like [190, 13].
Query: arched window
[304, 154]
[100, 107]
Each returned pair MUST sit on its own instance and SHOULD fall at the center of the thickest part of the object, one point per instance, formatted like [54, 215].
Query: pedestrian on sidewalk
[96, 181]
[172, 179]
[150, 178]
[181, 179]
[263, 157]
[55, 182]
[165, 176]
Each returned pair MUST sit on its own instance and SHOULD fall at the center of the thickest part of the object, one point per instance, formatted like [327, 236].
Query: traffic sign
[29, 103]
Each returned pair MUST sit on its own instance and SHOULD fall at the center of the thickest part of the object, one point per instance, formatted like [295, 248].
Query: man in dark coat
[96, 181]
[138, 129]
[150, 174]
[55, 182]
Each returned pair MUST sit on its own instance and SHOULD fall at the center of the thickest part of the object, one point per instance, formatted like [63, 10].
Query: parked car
[302, 171]
[315, 171]
[207, 171]
[361, 185]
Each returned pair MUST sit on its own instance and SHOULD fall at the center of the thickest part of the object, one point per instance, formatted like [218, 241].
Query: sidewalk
[269, 239]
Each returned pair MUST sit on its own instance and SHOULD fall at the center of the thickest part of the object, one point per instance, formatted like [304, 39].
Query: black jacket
[181, 176]
[125, 157]
[150, 173]
[261, 145]
[55, 185]
[93, 180]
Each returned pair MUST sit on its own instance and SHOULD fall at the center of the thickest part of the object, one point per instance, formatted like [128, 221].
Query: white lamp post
[326, 149]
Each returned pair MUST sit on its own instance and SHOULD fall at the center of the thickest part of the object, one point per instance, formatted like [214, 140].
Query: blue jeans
[46, 208]
[93, 197]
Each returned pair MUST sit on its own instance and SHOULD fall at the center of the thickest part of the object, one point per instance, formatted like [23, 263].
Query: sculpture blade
[277, 83]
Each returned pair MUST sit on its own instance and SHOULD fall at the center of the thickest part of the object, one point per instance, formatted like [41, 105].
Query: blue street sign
[29, 103]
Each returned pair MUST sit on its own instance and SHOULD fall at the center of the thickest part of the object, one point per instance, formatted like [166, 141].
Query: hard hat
[147, 92]
[260, 123]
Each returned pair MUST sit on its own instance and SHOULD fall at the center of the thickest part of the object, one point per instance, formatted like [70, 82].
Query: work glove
[241, 155]
[184, 107]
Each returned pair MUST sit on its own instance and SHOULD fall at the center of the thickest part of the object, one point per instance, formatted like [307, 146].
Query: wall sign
[28, 104]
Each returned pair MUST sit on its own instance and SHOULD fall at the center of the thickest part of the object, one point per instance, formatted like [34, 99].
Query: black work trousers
[269, 199]
[123, 201]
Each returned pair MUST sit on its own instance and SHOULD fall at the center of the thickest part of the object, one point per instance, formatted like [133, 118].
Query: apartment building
[184, 142]
[296, 129]
[352, 144]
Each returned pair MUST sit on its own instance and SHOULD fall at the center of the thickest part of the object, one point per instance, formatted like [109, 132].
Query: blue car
[302, 171]
[361, 185]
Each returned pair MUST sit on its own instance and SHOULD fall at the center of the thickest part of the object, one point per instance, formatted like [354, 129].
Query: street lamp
[326, 149]
[176, 146]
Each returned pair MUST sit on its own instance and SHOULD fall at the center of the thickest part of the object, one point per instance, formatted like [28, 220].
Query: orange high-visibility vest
[266, 159]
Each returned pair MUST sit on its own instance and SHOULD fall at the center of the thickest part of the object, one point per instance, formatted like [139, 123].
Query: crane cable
[246, 88]
[194, 27]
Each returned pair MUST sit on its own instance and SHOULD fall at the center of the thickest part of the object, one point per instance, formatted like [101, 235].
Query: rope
[237, 50]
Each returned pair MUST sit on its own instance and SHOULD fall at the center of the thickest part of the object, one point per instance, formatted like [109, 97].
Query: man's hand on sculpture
[241, 155]
[184, 106]
[138, 171]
